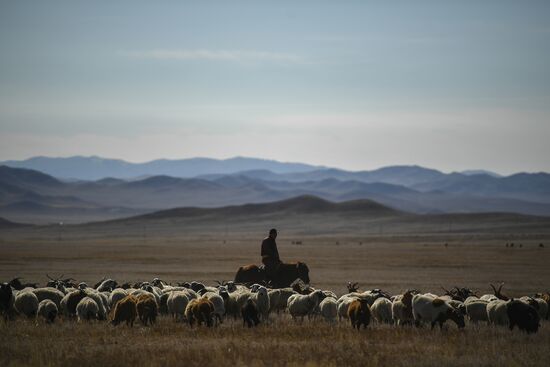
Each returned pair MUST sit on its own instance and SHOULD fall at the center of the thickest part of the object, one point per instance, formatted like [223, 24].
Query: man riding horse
[273, 270]
[270, 255]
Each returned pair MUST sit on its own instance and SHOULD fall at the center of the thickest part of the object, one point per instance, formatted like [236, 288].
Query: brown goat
[125, 310]
[200, 310]
[359, 313]
[147, 309]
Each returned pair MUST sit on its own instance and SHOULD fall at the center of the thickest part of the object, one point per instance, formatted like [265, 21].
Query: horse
[286, 274]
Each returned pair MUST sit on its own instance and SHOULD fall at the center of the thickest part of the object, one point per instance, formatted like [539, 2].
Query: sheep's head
[158, 283]
[196, 286]
[262, 292]
[231, 287]
[82, 285]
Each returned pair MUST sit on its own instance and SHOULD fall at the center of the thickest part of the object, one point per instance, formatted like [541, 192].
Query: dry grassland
[393, 262]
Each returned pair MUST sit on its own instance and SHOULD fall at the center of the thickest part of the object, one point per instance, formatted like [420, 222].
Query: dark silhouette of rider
[270, 254]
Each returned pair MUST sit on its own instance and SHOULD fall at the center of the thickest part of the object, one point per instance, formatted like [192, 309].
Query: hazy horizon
[320, 165]
[356, 85]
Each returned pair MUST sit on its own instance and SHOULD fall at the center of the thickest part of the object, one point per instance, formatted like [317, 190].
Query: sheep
[301, 305]
[50, 293]
[369, 296]
[70, 301]
[116, 295]
[201, 310]
[471, 299]
[401, 309]
[235, 301]
[176, 304]
[101, 302]
[497, 313]
[523, 315]
[261, 298]
[26, 303]
[219, 305]
[163, 303]
[278, 298]
[381, 310]
[435, 310]
[343, 305]
[87, 309]
[7, 299]
[249, 313]
[106, 285]
[328, 309]
[539, 304]
[48, 310]
[477, 310]
[359, 313]
[458, 305]
[125, 310]
[147, 309]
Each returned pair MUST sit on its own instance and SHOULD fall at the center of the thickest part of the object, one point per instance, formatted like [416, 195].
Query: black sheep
[250, 314]
[6, 299]
[523, 315]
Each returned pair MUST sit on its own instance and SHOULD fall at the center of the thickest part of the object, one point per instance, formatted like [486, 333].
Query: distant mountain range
[95, 168]
[32, 196]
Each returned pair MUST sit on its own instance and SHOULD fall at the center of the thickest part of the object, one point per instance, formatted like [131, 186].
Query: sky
[451, 85]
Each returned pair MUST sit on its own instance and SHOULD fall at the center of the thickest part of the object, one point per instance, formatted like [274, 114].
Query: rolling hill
[32, 196]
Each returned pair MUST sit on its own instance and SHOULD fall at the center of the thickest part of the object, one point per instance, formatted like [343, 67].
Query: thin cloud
[240, 56]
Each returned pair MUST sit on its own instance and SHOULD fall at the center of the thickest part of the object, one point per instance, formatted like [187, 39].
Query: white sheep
[426, 308]
[261, 298]
[328, 309]
[477, 310]
[177, 302]
[100, 300]
[48, 310]
[26, 303]
[278, 298]
[471, 299]
[381, 310]
[497, 312]
[87, 309]
[301, 305]
[235, 301]
[50, 293]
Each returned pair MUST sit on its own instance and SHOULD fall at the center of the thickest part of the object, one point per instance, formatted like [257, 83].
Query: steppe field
[393, 257]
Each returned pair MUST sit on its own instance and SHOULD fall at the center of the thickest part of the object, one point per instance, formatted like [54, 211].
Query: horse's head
[303, 272]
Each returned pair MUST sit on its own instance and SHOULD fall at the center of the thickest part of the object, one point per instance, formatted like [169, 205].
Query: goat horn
[49, 277]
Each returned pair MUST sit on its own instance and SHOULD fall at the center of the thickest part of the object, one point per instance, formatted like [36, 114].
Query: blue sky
[354, 84]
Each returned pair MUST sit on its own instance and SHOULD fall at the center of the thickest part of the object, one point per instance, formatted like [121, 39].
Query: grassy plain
[388, 256]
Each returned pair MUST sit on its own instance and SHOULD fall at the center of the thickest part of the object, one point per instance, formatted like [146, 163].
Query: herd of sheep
[196, 303]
